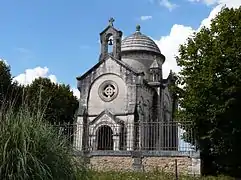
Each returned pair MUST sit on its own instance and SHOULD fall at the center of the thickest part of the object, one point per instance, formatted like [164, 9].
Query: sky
[59, 39]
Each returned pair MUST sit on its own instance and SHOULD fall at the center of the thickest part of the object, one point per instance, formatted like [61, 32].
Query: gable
[105, 67]
[106, 115]
[115, 61]
[110, 29]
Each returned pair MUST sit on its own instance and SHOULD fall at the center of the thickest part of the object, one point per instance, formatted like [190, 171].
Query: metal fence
[140, 142]
[146, 136]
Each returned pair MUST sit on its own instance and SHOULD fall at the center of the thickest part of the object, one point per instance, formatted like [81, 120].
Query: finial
[138, 28]
[111, 20]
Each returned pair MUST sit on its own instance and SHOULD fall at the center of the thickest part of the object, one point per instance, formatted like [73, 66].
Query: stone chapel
[125, 104]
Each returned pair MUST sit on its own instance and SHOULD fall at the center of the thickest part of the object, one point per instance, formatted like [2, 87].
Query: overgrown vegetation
[62, 104]
[30, 148]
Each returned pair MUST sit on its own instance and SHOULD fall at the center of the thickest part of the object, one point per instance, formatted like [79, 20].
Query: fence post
[85, 139]
[86, 157]
[176, 172]
[137, 161]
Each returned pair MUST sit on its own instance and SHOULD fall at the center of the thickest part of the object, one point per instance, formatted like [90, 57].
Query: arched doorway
[105, 138]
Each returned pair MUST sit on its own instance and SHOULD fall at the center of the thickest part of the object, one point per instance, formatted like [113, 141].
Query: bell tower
[110, 40]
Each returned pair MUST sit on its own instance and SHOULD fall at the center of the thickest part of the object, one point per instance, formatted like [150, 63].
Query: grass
[31, 149]
[156, 175]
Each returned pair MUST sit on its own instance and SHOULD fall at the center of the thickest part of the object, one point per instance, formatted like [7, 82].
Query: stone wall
[110, 163]
[167, 164]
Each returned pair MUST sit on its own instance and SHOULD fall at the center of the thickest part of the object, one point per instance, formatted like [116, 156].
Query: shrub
[31, 149]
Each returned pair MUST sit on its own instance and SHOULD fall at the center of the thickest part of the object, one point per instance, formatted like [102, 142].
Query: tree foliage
[210, 96]
[56, 100]
[5, 82]
[11, 92]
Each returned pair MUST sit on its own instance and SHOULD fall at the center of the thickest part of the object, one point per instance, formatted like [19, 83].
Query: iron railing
[146, 136]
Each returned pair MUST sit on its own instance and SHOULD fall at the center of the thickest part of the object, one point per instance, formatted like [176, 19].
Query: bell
[110, 42]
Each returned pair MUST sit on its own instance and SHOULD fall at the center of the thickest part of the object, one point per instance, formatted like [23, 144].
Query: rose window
[108, 90]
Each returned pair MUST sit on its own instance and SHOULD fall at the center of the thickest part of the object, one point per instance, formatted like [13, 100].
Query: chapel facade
[125, 103]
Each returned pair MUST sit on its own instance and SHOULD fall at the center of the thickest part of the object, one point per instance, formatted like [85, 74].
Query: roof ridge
[100, 62]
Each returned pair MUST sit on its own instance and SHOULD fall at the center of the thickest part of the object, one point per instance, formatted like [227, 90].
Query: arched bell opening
[110, 44]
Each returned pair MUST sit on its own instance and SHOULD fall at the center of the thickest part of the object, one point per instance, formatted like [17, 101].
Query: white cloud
[220, 3]
[52, 78]
[23, 50]
[169, 44]
[232, 3]
[144, 18]
[167, 4]
[24, 53]
[76, 92]
[4, 61]
[31, 74]
[207, 2]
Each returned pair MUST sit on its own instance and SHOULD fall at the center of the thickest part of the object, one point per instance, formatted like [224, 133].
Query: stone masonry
[125, 95]
[167, 164]
[127, 106]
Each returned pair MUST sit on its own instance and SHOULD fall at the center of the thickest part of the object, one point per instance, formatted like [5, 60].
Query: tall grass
[31, 149]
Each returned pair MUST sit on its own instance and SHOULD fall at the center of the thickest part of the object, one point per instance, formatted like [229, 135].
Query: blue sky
[63, 35]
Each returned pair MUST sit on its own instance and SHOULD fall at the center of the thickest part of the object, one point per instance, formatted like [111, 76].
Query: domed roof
[139, 42]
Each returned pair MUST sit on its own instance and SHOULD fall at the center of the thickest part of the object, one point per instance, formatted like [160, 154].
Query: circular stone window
[108, 90]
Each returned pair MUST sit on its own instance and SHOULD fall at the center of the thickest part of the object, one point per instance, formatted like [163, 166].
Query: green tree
[210, 96]
[16, 96]
[57, 100]
[11, 93]
[5, 82]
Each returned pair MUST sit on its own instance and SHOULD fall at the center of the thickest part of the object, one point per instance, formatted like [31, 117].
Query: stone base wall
[110, 163]
[167, 164]
[185, 165]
